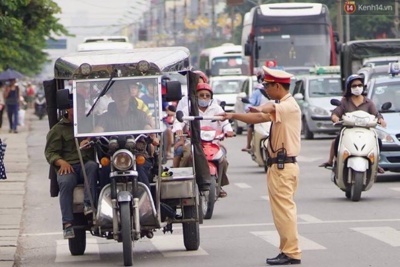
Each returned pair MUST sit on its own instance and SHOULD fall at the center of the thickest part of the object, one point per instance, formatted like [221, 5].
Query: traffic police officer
[283, 171]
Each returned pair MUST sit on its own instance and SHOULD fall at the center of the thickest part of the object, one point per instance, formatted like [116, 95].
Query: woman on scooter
[208, 107]
[353, 99]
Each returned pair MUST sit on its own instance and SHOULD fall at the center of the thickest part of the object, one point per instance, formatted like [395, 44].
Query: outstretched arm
[250, 118]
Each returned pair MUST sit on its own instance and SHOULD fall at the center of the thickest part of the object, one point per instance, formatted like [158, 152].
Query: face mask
[203, 103]
[357, 90]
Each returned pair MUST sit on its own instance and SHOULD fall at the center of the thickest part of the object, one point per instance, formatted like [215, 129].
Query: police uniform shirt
[286, 128]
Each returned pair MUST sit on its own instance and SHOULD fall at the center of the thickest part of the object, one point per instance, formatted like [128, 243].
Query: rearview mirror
[179, 115]
[335, 102]
[222, 104]
[64, 99]
[245, 100]
[386, 106]
[174, 91]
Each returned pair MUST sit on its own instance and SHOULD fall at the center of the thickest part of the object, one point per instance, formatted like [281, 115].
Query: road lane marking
[308, 218]
[172, 246]
[243, 185]
[272, 237]
[387, 235]
[395, 189]
[258, 225]
[91, 252]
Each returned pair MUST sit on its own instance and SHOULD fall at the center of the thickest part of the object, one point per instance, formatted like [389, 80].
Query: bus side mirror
[174, 91]
[64, 99]
[247, 49]
[336, 36]
[338, 47]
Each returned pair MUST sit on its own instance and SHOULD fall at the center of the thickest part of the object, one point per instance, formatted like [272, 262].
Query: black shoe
[282, 259]
[277, 257]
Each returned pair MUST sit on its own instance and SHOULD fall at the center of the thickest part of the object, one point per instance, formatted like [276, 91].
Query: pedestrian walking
[12, 98]
[2, 104]
[3, 147]
[283, 170]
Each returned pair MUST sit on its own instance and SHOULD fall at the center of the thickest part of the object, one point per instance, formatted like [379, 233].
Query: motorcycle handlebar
[181, 117]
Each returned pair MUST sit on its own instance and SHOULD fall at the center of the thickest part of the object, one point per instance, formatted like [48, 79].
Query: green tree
[25, 25]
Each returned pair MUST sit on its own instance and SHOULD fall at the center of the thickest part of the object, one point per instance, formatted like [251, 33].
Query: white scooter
[356, 165]
[259, 142]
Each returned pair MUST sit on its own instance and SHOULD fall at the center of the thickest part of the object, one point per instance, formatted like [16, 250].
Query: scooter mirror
[264, 93]
[179, 115]
[335, 102]
[386, 106]
[245, 100]
[222, 104]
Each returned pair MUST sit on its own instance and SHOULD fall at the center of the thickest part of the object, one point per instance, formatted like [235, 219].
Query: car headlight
[318, 111]
[384, 136]
[122, 160]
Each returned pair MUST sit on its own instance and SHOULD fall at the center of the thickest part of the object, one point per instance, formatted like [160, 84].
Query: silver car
[313, 94]
[382, 90]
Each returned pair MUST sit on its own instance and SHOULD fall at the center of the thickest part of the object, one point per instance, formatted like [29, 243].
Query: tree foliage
[25, 25]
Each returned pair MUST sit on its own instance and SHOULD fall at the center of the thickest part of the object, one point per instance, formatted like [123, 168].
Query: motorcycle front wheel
[357, 185]
[126, 233]
[208, 204]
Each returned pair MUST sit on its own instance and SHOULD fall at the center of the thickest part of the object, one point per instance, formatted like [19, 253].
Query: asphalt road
[334, 232]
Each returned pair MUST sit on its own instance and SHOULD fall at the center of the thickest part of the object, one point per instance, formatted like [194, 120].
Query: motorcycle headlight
[207, 135]
[122, 160]
[318, 111]
[384, 136]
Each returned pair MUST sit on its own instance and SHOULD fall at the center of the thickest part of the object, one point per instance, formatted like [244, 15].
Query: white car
[226, 88]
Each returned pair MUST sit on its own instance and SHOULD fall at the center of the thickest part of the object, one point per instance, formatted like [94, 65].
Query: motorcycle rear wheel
[77, 245]
[191, 230]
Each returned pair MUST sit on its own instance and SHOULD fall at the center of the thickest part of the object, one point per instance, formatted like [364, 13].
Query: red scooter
[215, 153]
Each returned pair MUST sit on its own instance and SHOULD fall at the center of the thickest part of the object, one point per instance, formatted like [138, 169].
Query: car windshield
[130, 106]
[230, 86]
[386, 92]
[324, 87]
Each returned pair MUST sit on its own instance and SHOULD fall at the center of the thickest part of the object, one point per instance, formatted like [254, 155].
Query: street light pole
[339, 20]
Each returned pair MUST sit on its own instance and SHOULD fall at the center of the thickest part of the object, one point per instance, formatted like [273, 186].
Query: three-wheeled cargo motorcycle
[125, 208]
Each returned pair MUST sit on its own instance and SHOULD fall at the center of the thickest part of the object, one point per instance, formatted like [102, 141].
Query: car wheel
[306, 131]
[237, 129]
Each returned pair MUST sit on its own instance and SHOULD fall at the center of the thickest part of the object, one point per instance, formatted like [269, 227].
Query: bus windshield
[294, 45]
[228, 65]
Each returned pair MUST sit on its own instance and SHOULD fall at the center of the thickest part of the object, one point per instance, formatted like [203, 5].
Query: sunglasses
[267, 84]
[357, 85]
[204, 95]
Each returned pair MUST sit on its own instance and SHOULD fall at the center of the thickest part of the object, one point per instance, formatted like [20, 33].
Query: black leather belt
[271, 161]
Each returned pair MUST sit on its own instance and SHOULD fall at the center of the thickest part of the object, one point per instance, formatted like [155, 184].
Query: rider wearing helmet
[353, 99]
[207, 107]
[185, 99]
[256, 99]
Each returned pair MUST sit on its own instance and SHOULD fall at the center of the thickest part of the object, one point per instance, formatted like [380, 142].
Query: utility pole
[347, 28]
[174, 30]
[339, 20]
[213, 18]
[396, 21]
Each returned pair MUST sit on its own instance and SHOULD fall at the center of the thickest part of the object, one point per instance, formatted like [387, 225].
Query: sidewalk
[12, 190]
